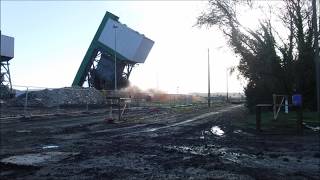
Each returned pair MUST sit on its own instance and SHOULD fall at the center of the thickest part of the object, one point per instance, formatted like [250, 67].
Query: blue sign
[297, 100]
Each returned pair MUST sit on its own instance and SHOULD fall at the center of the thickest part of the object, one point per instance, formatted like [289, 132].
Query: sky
[52, 37]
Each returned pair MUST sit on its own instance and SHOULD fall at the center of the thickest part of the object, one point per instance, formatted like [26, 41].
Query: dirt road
[198, 144]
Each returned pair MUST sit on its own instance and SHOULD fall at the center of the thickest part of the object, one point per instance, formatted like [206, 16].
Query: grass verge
[284, 123]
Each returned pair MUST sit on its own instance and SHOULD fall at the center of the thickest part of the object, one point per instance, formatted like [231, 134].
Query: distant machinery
[114, 46]
[7, 53]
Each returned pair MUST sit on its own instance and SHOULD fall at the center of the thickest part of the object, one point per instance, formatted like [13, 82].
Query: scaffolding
[7, 52]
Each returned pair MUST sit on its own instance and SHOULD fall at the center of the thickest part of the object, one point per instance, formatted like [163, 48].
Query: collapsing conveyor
[113, 42]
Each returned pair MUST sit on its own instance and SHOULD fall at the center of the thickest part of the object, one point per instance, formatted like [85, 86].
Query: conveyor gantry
[113, 43]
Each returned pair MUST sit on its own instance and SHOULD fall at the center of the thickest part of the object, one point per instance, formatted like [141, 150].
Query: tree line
[271, 62]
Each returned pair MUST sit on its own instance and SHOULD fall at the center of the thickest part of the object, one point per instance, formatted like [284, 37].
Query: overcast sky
[51, 39]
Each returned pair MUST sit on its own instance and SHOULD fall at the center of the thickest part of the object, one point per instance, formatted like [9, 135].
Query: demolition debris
[62, 96]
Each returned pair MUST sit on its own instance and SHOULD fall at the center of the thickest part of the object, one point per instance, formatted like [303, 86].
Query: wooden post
[119, 113]
[299, 120]
[274, 97]
[258, 118]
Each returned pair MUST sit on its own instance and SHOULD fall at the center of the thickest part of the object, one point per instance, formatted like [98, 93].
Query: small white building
[7, 48]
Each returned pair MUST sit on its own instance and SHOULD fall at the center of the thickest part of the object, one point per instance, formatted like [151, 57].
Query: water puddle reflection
[151, 129]
[315, 129]
[227, 154]
[50, 147]
[238, 131]
[23, 131]
[191, 150]
[216, 130]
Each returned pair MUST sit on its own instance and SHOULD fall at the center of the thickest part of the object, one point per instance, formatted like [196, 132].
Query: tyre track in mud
[169, 148]
[160, 127]
[51, 122]
[119, 129]
[32, 133]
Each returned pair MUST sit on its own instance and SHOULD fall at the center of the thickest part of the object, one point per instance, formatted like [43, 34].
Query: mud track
[200, 144]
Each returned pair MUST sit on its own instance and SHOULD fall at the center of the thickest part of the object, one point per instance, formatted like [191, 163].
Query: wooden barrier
[116, 102]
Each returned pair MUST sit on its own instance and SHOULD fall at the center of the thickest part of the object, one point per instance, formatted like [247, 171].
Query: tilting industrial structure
[7, 53]
[112, 54]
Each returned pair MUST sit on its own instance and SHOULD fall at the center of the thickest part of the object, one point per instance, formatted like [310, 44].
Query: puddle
[151, 129]
[237, 131]
[315, 129]
[50, 147]
[227, 154]
[23, 131]
[216, 130]
[191, 150]
[237, 156]
[230, 156]
[240, 132]
[36, 159]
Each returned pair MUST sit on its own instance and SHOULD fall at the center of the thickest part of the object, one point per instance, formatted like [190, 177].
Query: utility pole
[209, 97]
[316, 48]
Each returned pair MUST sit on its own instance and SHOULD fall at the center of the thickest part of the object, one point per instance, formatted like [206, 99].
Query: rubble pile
[62, 96]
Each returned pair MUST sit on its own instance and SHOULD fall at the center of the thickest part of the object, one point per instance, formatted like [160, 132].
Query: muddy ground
[189, 143]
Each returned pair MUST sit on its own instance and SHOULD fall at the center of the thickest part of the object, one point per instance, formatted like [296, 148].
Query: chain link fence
[31, 101]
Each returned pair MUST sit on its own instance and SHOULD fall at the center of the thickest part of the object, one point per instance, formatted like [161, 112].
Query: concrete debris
[62, 96]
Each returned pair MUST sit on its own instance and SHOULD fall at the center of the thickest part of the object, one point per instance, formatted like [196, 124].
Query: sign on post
[297, 100]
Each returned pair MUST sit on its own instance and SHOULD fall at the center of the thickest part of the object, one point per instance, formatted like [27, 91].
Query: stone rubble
[61, 96]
